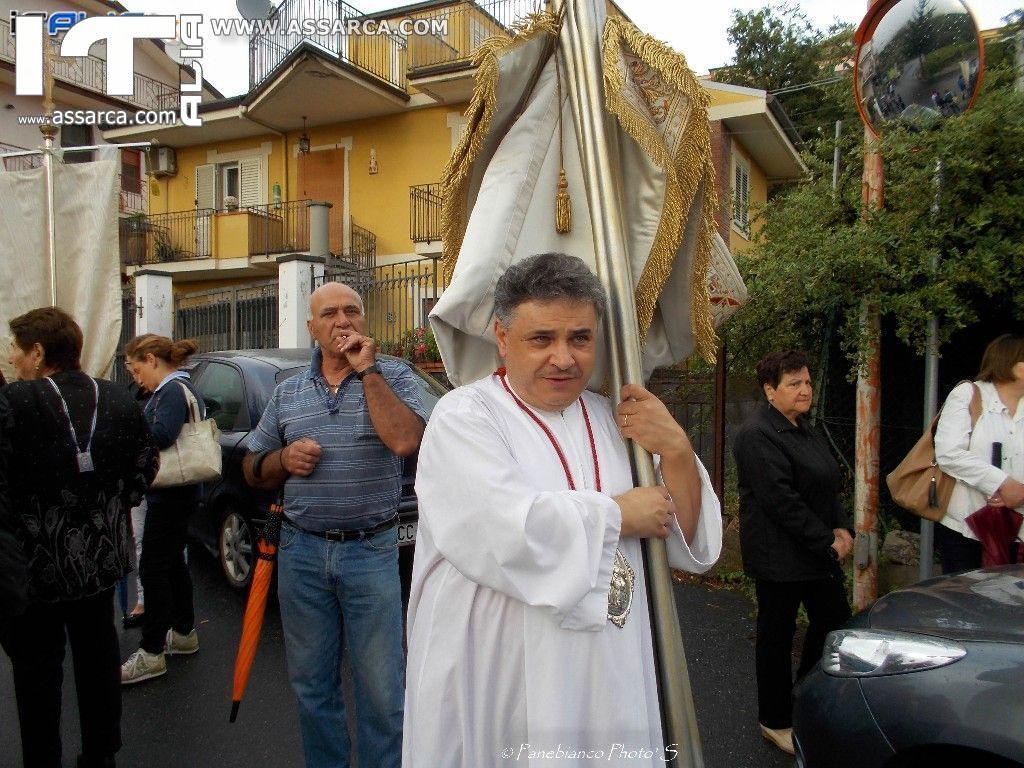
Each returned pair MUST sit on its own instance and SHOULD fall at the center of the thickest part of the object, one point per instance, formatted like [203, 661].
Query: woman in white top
[966, 454]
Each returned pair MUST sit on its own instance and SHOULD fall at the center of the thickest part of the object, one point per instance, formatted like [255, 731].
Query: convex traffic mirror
[918, 61]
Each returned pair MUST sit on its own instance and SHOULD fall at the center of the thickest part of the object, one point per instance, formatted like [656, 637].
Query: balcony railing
[381, 55]
[353, 264]
[23, 163]
[165, 237]
[278, 228]
[463, 27]
[256, 230]
[425, 213]
[90, 72]
[132, 197]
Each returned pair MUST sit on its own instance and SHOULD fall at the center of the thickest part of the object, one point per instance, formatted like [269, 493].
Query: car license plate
[406, 533]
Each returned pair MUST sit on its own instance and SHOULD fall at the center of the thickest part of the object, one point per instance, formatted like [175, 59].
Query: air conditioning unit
[165, 162]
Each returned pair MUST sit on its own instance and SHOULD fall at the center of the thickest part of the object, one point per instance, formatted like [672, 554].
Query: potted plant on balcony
[165, 249]
[420, 347]
[134, 230]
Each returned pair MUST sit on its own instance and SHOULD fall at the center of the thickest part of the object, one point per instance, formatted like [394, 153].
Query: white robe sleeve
[548, 549]
[707, 541]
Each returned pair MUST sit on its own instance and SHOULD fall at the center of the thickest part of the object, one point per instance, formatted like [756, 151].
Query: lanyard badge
[83, 456]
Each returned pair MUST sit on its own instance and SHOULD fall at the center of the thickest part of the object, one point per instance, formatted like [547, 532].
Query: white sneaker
[178, 644]
[142, 665]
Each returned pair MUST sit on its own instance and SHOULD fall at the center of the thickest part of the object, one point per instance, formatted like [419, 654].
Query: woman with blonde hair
[168, 625]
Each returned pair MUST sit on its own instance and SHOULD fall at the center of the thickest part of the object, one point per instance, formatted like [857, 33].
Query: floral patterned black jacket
[73, 526]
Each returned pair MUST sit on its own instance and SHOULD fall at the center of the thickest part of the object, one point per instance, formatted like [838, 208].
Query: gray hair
[547, 277]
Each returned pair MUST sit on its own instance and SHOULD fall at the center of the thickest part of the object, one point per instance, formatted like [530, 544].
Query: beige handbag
[195, 456]
[917, 484]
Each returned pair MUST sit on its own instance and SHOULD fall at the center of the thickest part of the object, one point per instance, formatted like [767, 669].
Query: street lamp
[304, 138]
[918, 63]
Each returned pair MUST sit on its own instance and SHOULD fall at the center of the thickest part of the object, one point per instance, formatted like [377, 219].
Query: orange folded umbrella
[252, 623]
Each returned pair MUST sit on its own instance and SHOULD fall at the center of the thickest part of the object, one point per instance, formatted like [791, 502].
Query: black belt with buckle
[357, 535]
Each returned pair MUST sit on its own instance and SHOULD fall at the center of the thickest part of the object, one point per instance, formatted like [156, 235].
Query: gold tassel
[563, 205]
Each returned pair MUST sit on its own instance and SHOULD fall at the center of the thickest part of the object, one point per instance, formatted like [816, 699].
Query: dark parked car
[931, 675]
[236, 386]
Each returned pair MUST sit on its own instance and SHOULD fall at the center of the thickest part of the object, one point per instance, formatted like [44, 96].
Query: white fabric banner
[501, 184]
[88, 269]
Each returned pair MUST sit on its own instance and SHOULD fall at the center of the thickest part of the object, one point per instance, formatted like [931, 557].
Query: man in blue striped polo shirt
[334, 436]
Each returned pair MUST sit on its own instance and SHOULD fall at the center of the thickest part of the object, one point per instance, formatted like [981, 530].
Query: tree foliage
[819, 255]
[777, 48]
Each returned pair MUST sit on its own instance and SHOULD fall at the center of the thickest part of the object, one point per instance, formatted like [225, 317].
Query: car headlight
[871, 653]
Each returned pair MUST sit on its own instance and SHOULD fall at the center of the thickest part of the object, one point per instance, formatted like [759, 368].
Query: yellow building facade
[368, 125]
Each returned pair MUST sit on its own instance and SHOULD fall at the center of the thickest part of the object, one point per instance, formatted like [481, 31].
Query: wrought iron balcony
[380, 55]
[165, 237]
[457, 29]
[443, 34]
[255, 230]
[278, 228]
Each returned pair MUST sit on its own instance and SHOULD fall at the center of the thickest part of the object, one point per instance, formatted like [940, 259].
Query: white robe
[512, 660]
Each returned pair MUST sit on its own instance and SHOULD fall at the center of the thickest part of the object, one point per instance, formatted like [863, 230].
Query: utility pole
[869, 407]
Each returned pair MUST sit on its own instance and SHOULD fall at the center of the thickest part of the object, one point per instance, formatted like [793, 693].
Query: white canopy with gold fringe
[501, 183]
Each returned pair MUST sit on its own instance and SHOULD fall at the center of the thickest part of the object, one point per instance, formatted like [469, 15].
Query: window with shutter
[206, 194]
[251, 184]
[206, 198]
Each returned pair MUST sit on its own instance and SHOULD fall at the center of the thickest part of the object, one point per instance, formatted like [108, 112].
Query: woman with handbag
[168, 625]
[794, 534]
[965, 453]
[75, 455]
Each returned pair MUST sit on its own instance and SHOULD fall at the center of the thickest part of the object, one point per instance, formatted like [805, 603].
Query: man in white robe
[512, 656]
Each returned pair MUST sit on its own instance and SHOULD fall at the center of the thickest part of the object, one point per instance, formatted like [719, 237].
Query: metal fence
[243, 317]
[397, 299]
[688, 392]
[380, 55]
[128, 308]
[278, 228]
[425, 213]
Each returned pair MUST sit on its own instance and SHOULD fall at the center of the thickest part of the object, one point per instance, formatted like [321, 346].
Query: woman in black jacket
[794, 534]
[168, 625]
[75, 455]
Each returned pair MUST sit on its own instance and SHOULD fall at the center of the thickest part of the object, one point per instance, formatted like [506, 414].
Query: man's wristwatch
[257, 464]
[367, 371]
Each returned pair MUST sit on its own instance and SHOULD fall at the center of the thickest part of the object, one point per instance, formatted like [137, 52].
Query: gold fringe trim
[563, 205]
[480, 113]
[686, 172]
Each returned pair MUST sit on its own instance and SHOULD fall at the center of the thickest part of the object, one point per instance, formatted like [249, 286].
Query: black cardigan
[72, 526]
[789, 498]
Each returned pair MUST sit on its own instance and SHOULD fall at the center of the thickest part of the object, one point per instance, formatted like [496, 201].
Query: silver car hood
[977, 605]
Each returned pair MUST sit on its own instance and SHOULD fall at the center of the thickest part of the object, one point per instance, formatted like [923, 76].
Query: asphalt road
[182, 719]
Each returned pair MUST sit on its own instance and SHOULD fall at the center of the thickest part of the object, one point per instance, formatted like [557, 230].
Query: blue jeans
[327, 588]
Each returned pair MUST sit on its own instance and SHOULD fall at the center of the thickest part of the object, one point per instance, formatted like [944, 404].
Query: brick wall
[721, 156]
